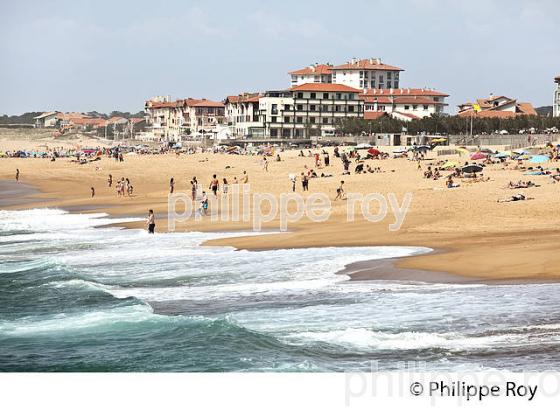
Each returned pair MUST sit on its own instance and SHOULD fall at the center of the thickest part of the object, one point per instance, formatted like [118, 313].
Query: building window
[425, 108]
[312, 107]
[361, 84]
[407, 107]
[299, 95]
[312, 120]
[350, 108]
[287, 119]
[414, 107]
[299, 120]
[300, 107]
[273, 119]
[274, 109]
[313, 96]
[325, 120]
[273, 132]
[286, 133]
[325, 96]
[372, 83]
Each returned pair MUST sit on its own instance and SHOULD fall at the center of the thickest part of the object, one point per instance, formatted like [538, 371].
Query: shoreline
[21, 196]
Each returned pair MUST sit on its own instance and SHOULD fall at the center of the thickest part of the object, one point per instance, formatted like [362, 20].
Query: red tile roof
[366, 64]
[374, 115]
[247, 97]
[404, 114]
[405, 91]
[488, 114]
[316, 69]
[192, 102]
[326, 87]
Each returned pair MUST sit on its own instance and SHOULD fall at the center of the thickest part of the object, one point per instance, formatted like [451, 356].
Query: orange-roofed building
[367, 73]
[315, 73]
[496, 107]
[405, 103]
[189, 118]
[243, 116]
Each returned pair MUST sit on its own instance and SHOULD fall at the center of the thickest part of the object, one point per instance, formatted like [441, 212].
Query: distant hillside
[545, 111]
[26, 118]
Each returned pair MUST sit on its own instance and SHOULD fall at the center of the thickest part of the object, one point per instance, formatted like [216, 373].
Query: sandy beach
[475, 236]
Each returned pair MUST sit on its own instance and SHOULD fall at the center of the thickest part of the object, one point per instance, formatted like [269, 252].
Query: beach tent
[478, 155]
[471, 169]
[374, 151]
[538, 159]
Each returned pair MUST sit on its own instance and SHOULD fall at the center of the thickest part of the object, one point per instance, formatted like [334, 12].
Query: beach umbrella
[478, 155]
[449, 164]
[538, 159]
[471, 169]
[373, 151]
[504, 154]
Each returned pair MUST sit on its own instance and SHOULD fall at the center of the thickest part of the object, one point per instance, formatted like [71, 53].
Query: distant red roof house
[192, 102]
[325, 87]
[496, 107]
[243, 98]
[366, 64]
[413, 92]
[315, 69]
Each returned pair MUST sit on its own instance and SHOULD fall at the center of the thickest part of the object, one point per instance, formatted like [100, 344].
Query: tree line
[446, 125]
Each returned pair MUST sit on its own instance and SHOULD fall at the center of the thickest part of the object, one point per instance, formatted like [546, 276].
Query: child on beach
[340, 191]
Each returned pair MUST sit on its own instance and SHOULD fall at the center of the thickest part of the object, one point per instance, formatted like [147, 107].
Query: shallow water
[76, 297]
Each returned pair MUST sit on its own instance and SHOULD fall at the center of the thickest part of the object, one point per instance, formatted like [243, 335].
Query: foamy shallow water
[77, 298]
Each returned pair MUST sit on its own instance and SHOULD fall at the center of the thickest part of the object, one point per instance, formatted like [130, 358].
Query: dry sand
[476, 237]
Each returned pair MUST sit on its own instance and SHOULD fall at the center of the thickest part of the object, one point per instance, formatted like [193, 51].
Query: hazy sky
[113, 55]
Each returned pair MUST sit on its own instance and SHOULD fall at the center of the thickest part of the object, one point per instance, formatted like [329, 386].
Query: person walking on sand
[340, 191]
[204, 204]
[110, 180]
[293, 178]
[171, 185]
[225, 186]
[214, 185]
[304, 182]
[194, 188]
[151, 221]
[265, 164]
[17, 175]
[92, 192]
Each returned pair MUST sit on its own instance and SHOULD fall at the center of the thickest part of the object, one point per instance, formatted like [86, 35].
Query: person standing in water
[151, 221]
[17, 175]
[171, 185]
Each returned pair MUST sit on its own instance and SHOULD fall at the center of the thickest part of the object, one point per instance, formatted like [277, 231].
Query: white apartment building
[315, 73]
[308, 110]
[404, 103]
[367, 73]
[243, 116]
[556, 105]
[189, 118]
